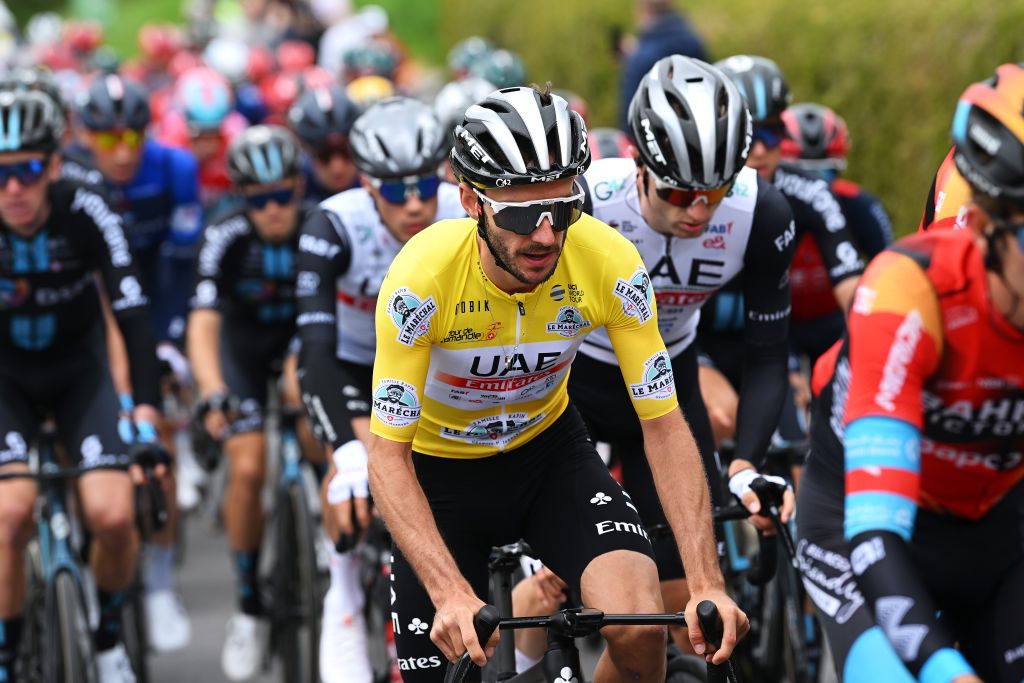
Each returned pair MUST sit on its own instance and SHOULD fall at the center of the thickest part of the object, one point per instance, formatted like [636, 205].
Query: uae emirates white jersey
[685, 272]
[372, 248]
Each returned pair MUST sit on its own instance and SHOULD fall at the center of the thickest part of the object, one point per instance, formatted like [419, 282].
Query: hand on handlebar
[740, 481]
[348, 490]
[216, 412]
[453, 630]
[735, 625]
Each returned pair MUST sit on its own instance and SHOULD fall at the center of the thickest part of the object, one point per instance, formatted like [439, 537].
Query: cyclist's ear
[470, 204]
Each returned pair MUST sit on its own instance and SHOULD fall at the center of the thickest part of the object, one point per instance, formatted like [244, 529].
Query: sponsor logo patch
[493, 430]
[410, 315]
[637, 295]
[656, 380]
[568, 323]
[395, 403]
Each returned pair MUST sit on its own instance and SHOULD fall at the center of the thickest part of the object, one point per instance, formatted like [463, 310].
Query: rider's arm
[204, 322]
[895, 343]
[766, 293]
[185, 227]
[112, 258]
[836, 243]
[323, 256]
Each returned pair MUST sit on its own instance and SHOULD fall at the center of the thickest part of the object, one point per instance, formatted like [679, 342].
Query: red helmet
[182, 62]
[83, 37]
[815, 134]
[261, 63]
[295, 55]
[160, 42]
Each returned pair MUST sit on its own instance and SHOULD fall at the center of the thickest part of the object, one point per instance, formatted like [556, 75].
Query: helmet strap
[481, 230]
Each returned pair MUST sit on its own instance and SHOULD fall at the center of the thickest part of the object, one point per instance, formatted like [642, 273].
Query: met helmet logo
[652, 143]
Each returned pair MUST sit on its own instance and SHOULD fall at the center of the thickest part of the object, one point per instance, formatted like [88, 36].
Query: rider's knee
[112, 524]
[640, 649]
[248, 470]
[15, 520]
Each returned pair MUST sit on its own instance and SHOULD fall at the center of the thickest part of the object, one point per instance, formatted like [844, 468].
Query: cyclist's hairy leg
[17, 499]
[108, 507]
[623, 581]
[292, 397]
[243, 510]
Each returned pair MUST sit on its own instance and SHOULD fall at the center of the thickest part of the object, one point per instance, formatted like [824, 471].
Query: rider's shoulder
[608, 180]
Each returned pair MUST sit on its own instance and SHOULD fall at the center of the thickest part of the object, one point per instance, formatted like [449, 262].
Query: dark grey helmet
[519, 136]
[690, 123]
[320, 113]
[397, 137]
[261, 155]
[762, 84]
[113, 102]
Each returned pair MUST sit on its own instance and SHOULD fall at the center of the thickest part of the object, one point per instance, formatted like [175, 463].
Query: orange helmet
[988, 131]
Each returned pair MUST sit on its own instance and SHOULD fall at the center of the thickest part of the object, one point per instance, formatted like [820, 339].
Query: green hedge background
[893, 70]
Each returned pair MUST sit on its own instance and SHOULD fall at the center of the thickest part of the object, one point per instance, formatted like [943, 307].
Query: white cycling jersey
[685, 272]
[371, 248]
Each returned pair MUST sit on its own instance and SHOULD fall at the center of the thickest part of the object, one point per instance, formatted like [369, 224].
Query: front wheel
[136, 638]
[72, 658]
[296, 582]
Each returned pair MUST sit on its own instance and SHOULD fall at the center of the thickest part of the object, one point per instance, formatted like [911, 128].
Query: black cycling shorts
[973, 570]
[599, 392]
[555, 492]
[76, 388]
[356, 382]
[250, 356]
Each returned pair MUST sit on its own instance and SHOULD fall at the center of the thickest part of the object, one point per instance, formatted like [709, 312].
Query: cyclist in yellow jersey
[475, 442]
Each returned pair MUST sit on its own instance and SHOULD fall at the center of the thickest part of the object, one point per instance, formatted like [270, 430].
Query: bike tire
[135, 633]
[296, 589]
[73, 658]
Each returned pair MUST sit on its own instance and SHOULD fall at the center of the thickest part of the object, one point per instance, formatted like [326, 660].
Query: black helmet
[518, 136]
[762, 84]
[987, 134]
[397, 137]
[320, 113]
[113, 102]
[29, 122]
[261, 155]
[690, 123]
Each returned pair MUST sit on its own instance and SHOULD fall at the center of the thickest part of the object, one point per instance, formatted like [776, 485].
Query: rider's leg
[17, 498]
[243, 513]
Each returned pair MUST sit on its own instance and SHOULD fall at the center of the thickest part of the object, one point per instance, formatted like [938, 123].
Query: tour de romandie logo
[410, 315]
[637, 295]
[395, 403]
[656, 379]
[568, 322]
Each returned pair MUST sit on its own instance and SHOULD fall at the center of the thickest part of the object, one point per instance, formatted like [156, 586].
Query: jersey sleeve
[322, 257]
[111, 256]
[632, 324]
[405, 327]
[895, 329]
[766, 292]
[186, 219]
[833, 236]
[209, 275]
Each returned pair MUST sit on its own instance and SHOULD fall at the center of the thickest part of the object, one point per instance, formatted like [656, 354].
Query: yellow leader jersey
[465, 370]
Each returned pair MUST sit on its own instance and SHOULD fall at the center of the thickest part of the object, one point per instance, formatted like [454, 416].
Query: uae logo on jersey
[656, 379]
[410, 315]
[493, 430]
[568, 322]
[637, 295]
[395, 403]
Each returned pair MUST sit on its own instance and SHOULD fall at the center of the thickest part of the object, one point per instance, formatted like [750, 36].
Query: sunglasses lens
[685, 198]
[26, 172]
[279, 197]
[523, 220]
[769, 136]
[397, 192]
[428, 186]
